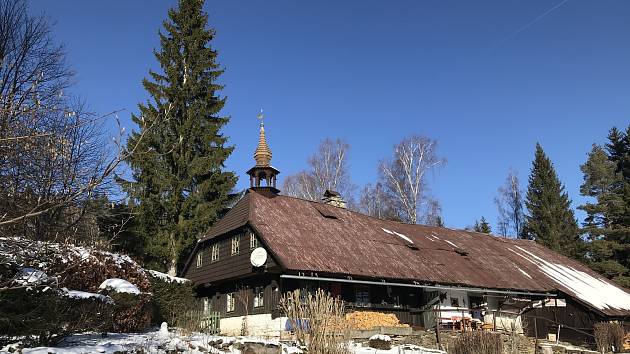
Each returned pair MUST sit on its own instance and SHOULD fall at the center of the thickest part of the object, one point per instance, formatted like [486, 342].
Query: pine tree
[180, 184]
[607, 224]
[549, 219]
[482, 226]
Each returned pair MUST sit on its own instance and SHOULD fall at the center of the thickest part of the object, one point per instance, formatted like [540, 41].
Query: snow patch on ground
[166, 277]
[382, 337]
[404, 237]
[399, 349]
[31, 276]
[596, 291]
[156, 342]
[119, 286]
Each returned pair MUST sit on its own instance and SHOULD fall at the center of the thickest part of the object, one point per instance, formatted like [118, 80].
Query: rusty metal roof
[301, 237]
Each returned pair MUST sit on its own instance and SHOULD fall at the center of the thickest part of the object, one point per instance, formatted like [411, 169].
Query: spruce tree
[482, 226]
[607, 224]
[180, 183]
[549, 219]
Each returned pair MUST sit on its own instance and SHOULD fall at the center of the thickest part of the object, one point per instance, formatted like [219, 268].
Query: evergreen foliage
[482, 226]
[171, 299]
[607, 224]
[180, 185]
[549, 219]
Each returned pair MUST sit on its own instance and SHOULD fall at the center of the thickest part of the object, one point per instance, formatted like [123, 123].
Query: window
[253, 241]
[259, 295]
[236, 240]
[215, 252]
[230, 302]
[206, 305]
[199, 259]
[362, 296]
[454, 302]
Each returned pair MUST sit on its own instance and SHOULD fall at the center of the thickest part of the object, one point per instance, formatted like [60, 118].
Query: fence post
[558, 334]
[536, 334]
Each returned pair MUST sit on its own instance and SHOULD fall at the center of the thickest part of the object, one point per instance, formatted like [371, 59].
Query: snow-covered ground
[163, 341]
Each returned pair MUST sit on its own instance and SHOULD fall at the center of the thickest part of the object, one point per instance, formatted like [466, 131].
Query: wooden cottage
[269, 243]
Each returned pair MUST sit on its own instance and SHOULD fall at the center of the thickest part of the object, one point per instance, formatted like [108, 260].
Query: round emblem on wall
[258, 257]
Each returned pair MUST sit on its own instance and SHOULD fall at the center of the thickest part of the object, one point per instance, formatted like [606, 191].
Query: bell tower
[263, 171]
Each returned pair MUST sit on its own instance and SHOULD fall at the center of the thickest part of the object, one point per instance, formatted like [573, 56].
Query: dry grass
[478, 343]
[317, 320]
[609, 336]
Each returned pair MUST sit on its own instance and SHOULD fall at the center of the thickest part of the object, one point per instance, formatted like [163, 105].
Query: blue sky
[487, 79]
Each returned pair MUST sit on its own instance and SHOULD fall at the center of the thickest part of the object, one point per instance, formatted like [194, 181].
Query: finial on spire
[263, 153]
[261, 117]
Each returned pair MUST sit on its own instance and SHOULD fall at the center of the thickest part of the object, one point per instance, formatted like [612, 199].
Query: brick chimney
[334, 198]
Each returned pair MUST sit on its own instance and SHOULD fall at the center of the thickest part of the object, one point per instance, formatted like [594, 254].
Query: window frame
[214, 256]
[259, 297]
[229, 302]
[253, 241]
[199, 262]
[236, 244]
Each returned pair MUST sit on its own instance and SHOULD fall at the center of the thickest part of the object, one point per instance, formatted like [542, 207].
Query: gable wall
[228, 265]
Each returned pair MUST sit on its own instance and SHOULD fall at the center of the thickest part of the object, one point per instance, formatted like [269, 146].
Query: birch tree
[509, 203]
[404, 178]
[328, 170]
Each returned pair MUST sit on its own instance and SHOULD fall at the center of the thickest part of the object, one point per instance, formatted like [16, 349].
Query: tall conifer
[607, 222]
[549, 219]
[180, 183]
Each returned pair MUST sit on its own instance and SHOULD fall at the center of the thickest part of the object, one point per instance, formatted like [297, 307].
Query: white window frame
[236, 244]
[215, 253]
[229, 306]
[259, 297]
[253, 241]
[200, 259]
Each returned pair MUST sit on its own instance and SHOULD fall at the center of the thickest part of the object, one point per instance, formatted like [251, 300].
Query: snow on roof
[596, 291]
[119, 286]
[166, 277]
[404, 237]
[451, 243]
[524, 273]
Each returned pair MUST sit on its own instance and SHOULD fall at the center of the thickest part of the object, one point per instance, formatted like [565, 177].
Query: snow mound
[76, 294]
[31, 276]
[166, 277]
[119, 286]
[382, 337]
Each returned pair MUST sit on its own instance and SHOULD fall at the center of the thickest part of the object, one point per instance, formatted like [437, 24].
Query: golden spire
[263, 153]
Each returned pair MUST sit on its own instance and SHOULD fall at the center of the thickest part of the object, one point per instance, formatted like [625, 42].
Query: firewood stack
[369, 320]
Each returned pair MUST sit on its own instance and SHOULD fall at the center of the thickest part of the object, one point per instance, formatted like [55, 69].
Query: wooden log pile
[369, 319]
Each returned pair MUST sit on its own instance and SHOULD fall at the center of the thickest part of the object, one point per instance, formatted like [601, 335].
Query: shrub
[171, 300]
[131, 313]
[609, 336]
[478, 343]
[45, 317]
[317, 320]
[381, 342]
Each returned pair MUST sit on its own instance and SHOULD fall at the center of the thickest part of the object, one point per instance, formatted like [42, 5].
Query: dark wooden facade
[228, 266]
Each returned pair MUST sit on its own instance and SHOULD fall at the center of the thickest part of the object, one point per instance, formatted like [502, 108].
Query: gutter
[437, 287]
